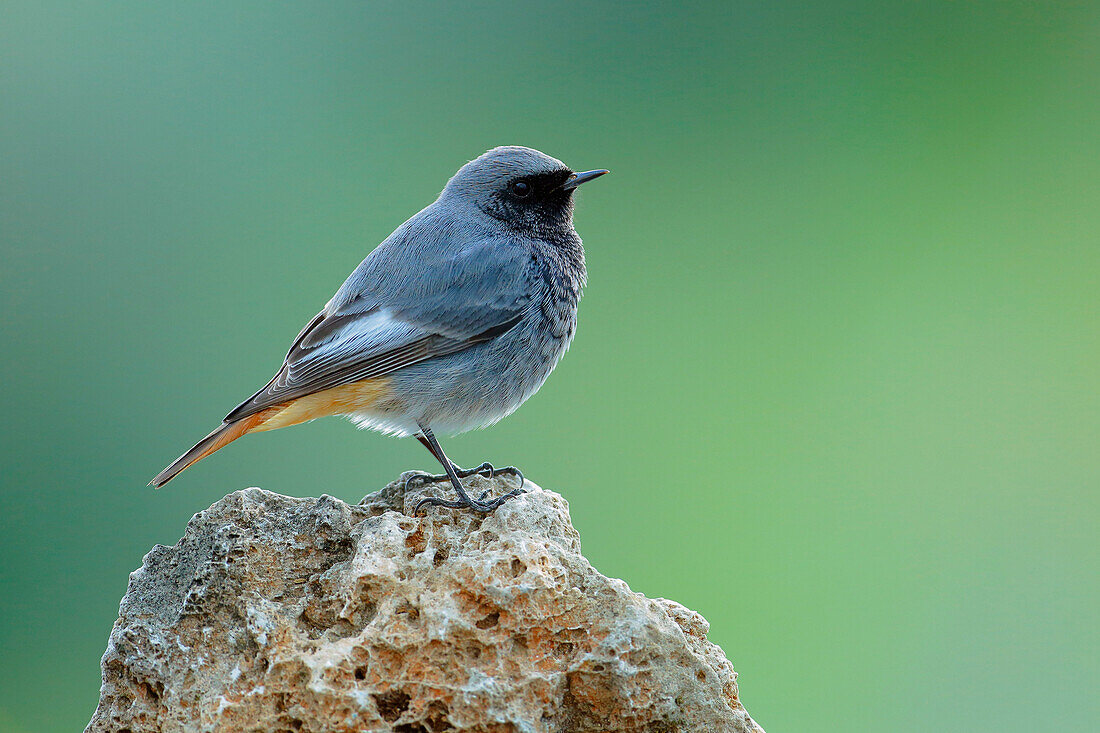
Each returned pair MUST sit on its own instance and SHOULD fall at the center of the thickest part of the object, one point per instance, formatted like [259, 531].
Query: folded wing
[454, 301]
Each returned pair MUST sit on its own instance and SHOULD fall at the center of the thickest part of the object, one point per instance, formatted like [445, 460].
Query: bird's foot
[485, 469]
[484, 507]
[466, 502]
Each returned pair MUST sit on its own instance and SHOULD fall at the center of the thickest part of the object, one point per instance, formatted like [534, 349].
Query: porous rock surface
[282, 614]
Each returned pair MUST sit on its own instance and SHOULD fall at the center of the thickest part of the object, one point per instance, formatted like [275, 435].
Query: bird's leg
[429, 478]
[485, 469]
[464, 501]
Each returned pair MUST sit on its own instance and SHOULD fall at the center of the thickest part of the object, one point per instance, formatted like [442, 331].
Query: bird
[450, 324]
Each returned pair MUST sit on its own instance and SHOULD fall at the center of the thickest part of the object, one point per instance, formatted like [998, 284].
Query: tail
[225, 434]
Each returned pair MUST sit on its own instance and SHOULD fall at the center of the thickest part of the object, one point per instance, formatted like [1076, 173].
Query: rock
[282, 614]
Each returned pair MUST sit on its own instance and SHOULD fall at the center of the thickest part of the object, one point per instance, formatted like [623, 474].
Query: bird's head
[521, 187]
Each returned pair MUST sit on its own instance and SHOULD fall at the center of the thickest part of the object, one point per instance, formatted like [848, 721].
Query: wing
[381, 321]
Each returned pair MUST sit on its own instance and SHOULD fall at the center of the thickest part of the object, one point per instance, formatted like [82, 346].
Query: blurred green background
[835, 384]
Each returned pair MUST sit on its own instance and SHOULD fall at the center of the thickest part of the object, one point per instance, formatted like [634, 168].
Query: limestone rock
[282, 614]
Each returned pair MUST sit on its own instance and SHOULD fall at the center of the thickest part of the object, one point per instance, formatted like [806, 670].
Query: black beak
[579, 178]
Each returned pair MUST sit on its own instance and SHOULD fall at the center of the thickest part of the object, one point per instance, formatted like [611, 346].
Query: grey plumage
[465, 308]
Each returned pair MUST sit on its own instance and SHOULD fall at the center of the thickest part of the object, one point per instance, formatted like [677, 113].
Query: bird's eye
[521, 189]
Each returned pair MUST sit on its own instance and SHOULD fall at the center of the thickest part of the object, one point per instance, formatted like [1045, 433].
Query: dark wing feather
[452, 304]
[291, 383]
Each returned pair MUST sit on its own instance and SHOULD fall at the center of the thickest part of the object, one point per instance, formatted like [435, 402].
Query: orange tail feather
[223, 436]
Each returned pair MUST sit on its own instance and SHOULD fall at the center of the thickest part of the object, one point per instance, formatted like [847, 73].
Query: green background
[835, 384]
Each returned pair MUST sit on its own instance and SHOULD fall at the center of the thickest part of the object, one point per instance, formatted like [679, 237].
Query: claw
[479, 504]
[514, 471]
[476, 504]
[419, 476]
[485, 470]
